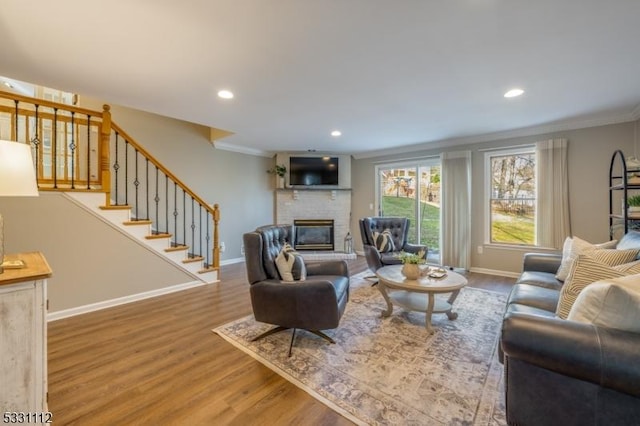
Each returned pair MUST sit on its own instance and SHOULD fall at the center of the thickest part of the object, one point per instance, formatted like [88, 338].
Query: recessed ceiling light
[225, 94]
[513, 93]
[336, 133]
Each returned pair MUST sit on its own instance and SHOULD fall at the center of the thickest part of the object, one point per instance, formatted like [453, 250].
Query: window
[511, 182]
[412, 189]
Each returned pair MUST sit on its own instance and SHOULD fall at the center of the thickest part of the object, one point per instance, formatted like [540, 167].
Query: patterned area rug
[390, 370]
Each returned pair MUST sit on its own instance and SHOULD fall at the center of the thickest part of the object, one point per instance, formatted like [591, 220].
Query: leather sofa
[561, 372]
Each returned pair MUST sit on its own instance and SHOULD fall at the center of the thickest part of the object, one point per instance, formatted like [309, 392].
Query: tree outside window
[512, 211]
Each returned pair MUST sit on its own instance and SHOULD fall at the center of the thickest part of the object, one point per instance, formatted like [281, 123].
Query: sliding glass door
[412, 189]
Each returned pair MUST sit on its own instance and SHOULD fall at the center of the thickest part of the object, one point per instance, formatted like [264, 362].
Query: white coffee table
[419, 295]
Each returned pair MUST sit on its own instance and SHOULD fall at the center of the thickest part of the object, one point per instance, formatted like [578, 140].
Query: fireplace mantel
[320, 203]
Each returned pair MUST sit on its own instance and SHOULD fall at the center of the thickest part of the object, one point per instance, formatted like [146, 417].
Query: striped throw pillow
[584, 271]
[572, 248]
[384, 241]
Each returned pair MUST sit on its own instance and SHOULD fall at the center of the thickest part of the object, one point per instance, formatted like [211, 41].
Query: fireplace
[313, 234]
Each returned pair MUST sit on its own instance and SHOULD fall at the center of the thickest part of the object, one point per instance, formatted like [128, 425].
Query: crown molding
[507, 134]
[225, 146]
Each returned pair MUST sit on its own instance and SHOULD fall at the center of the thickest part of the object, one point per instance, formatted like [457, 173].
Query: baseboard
[232, 261]
[495, 272]
[71, 312]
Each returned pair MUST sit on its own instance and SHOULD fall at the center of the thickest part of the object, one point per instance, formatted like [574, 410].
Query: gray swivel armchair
[314, 304]
[399, 227]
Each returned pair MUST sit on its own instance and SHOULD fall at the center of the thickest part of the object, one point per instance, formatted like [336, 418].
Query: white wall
[590, 153]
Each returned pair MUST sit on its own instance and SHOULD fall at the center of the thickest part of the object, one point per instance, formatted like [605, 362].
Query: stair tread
[193, 259]
[209, 269]
[176, 248]
[137, 222]
[124, 207]
[157, 236]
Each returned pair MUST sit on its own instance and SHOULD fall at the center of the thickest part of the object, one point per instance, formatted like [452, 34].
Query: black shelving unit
[619, 176]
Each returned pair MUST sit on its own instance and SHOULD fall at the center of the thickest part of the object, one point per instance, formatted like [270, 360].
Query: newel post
[216, 238]
[104, 149]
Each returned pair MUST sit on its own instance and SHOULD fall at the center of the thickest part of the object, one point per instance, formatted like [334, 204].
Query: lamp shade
[17, 173]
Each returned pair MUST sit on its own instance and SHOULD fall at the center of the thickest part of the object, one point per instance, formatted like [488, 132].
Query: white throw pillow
[291, 265]
[575, 246]
[612, 303]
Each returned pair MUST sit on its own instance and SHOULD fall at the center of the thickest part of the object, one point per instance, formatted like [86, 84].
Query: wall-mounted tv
[309, 171]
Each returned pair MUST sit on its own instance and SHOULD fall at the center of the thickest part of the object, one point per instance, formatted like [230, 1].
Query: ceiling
[392, 75]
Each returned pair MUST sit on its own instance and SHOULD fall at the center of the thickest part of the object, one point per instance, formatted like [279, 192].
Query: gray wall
[90, 261]
[590, 152]
[238, 183]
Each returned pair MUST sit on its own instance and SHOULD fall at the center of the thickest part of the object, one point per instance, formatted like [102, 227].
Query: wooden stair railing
[78, 149]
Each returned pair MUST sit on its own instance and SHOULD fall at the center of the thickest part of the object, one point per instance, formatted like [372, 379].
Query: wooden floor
[158, 362]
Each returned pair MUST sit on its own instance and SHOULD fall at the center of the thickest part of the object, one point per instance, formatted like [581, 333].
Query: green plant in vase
[279, 170]
[411, 264]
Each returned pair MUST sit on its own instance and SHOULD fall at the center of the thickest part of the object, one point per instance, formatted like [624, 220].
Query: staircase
[100, 167]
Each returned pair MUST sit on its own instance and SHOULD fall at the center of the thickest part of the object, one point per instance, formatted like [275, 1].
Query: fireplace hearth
[314, 234]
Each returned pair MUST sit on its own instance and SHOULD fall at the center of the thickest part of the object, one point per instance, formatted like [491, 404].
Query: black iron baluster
[200, 229]
[54, 149]
[88, 151]
[157, 200]
[73, 150]
[208, 238]
[16, 114]
[126, 172]
[146, 184]
[175, 212]
[136, 182]
[166, 203]
[116, 168]
[193, 227]
[36, 143]
[184, 220]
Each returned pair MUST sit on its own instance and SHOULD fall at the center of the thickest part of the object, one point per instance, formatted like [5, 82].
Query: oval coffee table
[419, 295]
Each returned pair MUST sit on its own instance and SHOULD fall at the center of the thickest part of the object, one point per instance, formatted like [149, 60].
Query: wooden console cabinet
[23, 335]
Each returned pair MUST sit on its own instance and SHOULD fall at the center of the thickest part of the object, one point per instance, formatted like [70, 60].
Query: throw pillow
[573, 247]
[384, 241]
[290, 265]
[585, 270]
[613, 303]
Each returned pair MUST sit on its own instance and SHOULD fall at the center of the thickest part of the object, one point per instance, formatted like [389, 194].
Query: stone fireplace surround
[292, 204]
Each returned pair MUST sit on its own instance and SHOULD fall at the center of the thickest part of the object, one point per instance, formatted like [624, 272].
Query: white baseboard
[495, 272]
[66, 313]
[231, 261]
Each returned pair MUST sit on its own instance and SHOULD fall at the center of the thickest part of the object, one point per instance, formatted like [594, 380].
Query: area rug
[390, 371]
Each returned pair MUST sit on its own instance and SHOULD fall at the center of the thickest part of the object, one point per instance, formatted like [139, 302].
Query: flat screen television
[310, 171]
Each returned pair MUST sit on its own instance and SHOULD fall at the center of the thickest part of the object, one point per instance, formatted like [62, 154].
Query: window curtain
[553, 223]
[456, 209]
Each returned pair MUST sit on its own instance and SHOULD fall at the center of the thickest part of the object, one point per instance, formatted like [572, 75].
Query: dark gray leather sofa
[560, 372]
[314, 304]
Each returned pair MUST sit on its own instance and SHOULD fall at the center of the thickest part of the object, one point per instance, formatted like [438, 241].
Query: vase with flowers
[280, 171]
[411, 264]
